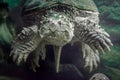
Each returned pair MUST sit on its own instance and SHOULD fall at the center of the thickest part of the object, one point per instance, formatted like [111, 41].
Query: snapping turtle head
[57, 28]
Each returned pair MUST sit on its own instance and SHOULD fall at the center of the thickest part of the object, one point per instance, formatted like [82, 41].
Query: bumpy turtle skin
[86, 30]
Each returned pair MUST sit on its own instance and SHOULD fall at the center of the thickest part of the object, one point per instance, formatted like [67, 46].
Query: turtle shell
[80, 4]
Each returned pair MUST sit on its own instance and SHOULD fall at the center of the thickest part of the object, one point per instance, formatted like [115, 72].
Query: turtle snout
[54, 25]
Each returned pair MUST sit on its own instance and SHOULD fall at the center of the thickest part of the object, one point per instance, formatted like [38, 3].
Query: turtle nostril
[52, 24]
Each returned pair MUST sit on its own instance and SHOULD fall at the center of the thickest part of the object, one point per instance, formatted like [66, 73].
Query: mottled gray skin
[58, 27]
[99, 76]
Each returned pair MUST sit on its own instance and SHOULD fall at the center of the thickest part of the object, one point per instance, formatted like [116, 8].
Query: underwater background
[72, 64]
[110, 21]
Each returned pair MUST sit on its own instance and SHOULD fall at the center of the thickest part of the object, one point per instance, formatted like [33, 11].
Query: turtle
[58, 23]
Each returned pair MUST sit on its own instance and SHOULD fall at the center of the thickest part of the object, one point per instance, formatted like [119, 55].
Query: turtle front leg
[95, 39]
[57, 54]
[25, 43]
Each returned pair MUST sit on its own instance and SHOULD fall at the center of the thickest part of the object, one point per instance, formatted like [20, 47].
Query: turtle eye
[48, 21]
[59, 22]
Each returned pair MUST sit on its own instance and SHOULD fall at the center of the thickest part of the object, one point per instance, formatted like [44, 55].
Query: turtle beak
[57, 54]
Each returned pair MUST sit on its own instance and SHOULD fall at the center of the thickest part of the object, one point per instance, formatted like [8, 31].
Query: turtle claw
[91, 57]
[34, 65]
[18, 58]
[34, 60]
